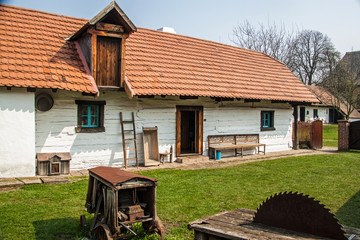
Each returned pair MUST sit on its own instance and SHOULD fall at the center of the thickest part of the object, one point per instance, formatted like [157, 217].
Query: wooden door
[316, 134]
[354, 135]
[198, 121]
[108, 62]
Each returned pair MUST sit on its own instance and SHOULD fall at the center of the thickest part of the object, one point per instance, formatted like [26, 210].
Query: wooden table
[238, 224]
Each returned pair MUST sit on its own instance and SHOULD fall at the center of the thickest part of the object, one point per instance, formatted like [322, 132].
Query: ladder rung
[128, 121]
[131, 149]
[130, 139]
[128, 130]
[130, 158]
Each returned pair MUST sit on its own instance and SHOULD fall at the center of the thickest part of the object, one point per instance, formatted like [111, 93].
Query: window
[315, 113]
[90, 116]
[267, 120]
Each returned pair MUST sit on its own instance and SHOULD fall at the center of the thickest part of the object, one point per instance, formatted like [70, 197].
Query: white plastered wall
[55, 129]
[17, 138]
[323, 113]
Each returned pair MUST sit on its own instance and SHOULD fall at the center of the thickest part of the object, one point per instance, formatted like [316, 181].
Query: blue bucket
[218, 155]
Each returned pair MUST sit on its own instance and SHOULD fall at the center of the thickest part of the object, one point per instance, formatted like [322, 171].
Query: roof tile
[34, 53]
[32, 40]
[161, 63]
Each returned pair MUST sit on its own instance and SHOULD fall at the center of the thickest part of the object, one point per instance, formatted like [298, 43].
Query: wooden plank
[122, 62]
[94, 57]
[178, 132]
[223, 147]
[107, 34]
[109, 27]
[249, 231]
[136, 153]
[123, 137]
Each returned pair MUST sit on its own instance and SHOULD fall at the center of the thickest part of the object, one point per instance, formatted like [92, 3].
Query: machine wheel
[102, 232]
[155, 226]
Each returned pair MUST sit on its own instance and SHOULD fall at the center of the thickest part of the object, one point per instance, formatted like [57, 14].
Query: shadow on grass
[60, 228]
[349, 213]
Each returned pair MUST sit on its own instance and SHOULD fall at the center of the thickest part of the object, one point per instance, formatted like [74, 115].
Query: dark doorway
[189, 130]
[334, 115]
[302, 114]
[188, 133]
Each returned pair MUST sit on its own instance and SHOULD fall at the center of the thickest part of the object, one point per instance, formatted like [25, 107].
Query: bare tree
[343, 85]
[271, 39]
[308, 54]
[313, 56]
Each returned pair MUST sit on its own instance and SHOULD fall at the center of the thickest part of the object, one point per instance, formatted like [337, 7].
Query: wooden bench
[234, 142]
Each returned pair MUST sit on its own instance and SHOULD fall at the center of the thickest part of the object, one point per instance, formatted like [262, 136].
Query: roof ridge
[39, 11]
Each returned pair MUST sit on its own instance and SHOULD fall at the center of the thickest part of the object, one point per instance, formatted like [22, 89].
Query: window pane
[94, 121]
[266, 117]
[84, 120]
[93, 110]
[83, 110]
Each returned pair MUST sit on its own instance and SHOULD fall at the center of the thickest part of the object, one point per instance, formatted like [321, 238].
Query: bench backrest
[229, 139]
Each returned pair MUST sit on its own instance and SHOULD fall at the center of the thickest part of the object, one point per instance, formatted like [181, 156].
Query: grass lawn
[52, 212]
[330, 132]
[330, 135]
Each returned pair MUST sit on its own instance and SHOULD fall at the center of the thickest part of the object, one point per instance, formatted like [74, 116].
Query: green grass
[330, 132]
[52, 212]
[330, 143]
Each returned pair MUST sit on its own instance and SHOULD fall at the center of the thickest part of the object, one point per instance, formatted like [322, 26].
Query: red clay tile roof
[33, 52]
[159, 63]
[328, 100]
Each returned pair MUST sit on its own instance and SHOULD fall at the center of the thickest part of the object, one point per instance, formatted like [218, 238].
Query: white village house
[326, 110]
[64, 82]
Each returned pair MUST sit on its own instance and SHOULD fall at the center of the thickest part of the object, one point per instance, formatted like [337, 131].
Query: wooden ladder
[129, 140]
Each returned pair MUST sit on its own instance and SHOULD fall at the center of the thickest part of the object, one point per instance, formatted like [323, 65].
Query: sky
[215, 19]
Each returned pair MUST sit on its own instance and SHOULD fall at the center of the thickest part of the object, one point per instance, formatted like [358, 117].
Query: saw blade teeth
[282, 210]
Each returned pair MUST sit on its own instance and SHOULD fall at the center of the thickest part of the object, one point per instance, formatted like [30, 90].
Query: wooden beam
[296, 136]
[29, 89]
[107, 34]
[122, 62]
[109, 27]
[94, 55]
[178, 132]
[188, 97]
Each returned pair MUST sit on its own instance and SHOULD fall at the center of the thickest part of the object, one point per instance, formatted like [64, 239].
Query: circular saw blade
[299, 212]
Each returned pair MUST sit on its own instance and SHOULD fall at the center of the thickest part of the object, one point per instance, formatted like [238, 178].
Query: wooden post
[296, 137]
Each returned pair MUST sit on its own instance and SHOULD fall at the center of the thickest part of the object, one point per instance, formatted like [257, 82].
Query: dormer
[102, 42]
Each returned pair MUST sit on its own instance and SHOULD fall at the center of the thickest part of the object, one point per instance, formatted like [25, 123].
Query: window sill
[89, 129]
[268, 129]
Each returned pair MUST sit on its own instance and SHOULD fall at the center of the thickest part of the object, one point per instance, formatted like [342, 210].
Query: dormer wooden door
[108, 62]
